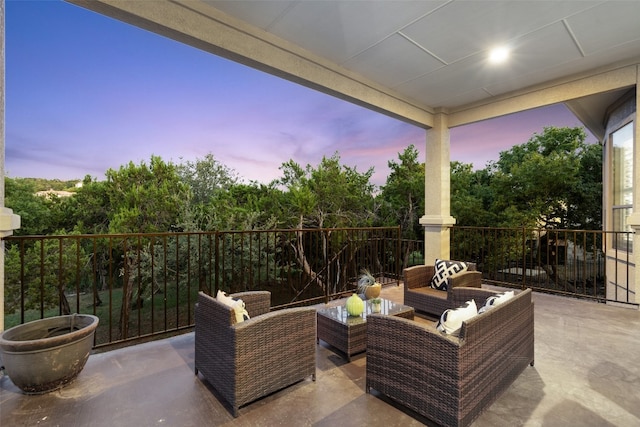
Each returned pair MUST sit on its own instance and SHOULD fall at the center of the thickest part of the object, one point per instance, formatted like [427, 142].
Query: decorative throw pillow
[240, 307]
[451, 320]
[443, 270]
[495, 300]
[224, 298]
[236, 305]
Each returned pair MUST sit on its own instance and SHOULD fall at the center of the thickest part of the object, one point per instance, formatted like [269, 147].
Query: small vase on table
[376, 305]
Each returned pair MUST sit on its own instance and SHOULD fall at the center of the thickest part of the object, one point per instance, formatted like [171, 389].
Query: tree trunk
[65, 308]
[127, 294]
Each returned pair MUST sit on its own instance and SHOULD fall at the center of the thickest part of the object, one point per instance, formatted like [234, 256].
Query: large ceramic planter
[46, 354]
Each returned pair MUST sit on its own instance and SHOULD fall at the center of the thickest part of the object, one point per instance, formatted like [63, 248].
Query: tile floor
[586, 373]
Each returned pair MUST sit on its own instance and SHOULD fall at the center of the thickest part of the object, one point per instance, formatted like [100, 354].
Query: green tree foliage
[221, 202]
[88, 211]
[34, 211]
[42, 184]
[145, 198]
[39, 274]
[247, 207]
[472, 196]
[401, 199]
[206, 177]
[331, 195]
[585, 199]
[550, 181]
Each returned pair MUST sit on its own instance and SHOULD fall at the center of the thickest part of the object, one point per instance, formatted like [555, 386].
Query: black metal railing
[581, 263]
[143, 285]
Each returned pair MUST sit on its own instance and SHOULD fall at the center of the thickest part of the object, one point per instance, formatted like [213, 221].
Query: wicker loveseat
[422, 297]
[451, 380]
[251, 359]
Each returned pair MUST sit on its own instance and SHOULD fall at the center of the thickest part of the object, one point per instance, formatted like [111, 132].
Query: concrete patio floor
[586, 373]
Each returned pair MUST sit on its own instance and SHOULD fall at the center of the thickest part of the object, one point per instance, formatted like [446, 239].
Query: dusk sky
[85, 93]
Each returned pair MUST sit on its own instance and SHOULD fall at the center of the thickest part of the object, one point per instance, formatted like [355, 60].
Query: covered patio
[587, 372]
[416, 65]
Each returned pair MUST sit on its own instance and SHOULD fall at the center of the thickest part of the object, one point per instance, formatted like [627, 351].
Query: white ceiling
[434, 52]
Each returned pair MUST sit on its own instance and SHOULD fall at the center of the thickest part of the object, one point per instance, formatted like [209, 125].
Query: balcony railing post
[216, 263]
[524, 258]
[399, 255]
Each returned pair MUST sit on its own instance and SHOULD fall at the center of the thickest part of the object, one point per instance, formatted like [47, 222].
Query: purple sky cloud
[85, 93]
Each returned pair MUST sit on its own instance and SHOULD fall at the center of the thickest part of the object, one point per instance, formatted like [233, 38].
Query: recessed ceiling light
[498, 55]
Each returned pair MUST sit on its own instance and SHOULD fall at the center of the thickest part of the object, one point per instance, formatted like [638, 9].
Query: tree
[472, 196]
[248, 207]
[331, 195]
[206, 177]
[585, 199]
[41, 267]
[546, 180]
[554, 181]
[34, 211]
[401, 199]
[143, 199]
[88, 211]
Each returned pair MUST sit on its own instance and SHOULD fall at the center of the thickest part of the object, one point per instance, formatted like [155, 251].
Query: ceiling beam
[548, 94]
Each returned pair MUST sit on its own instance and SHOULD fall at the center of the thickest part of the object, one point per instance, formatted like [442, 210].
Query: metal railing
[143, 285]
[580, 263]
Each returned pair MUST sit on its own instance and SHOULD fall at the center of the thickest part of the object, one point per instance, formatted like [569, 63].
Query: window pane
[623, 241]
[622, 140]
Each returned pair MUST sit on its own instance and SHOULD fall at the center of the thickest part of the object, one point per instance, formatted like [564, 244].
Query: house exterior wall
[621, 282]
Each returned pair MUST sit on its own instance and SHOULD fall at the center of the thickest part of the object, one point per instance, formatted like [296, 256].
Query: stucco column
[8, 221]
[634, 219]
[437, 191]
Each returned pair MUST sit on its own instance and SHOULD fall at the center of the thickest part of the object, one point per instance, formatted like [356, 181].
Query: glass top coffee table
[347, 333]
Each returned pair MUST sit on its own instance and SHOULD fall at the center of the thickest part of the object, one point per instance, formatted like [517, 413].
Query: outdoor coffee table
[349, 333]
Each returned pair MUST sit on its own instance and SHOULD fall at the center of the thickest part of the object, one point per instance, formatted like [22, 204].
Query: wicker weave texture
[348, 339]
[419, 295]
[451, 380]
[251, 359]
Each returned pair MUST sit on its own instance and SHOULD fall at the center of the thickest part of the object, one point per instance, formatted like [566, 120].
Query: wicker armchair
[419, 295]
[451, 380]
[248, 360]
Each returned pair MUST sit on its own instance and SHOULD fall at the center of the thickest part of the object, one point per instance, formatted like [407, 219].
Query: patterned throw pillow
[495, 300]
[445, 269]
[451, 320]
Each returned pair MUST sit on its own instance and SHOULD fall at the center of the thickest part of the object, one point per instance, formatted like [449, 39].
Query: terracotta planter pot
[373, 291]
[46, 354]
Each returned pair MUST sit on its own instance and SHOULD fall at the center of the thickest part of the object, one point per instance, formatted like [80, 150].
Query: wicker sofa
[419, 295]
[251, 359]
[451, 380]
